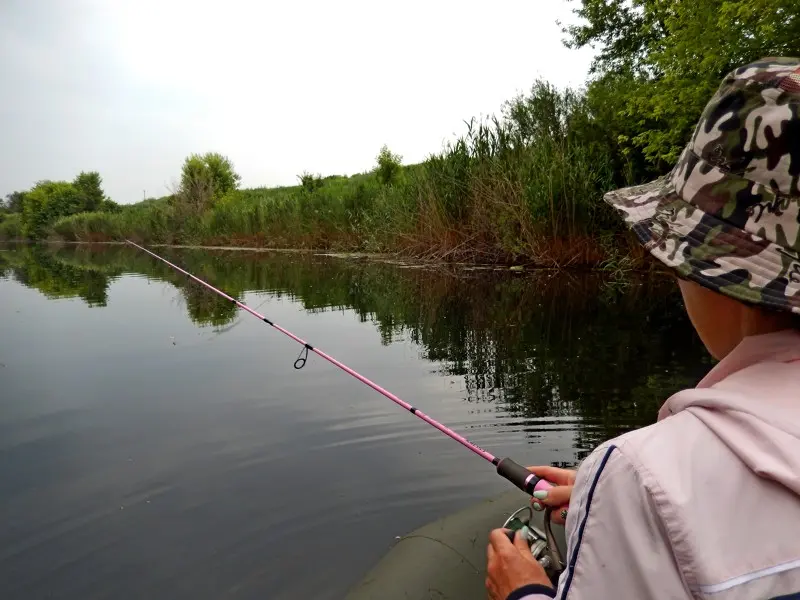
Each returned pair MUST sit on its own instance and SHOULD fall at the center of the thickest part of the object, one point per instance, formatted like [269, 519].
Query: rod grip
[521, 477]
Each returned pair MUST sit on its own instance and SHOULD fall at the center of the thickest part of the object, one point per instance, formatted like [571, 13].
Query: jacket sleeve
[616, 546]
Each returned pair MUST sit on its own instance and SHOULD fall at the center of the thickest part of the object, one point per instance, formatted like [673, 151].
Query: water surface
[157, 443]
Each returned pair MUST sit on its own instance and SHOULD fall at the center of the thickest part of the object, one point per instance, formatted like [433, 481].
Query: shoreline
[397, 259]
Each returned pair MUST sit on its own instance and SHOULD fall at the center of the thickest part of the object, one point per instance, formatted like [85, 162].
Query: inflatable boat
[446, 559]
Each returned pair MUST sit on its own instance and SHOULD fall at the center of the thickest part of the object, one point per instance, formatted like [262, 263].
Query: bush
[211, 168]
[45, 203]
[11, 226]
[205, 178]
[389, 166]
[90, 190]
[14, 200]
[90, 227]
[310, 183]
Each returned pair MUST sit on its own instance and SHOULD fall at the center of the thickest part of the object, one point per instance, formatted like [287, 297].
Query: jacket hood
[751, 401]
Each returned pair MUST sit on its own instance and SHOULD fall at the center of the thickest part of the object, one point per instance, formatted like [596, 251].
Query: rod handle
[521, 477]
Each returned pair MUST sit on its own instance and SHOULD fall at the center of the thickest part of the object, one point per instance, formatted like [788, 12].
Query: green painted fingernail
[537, 506]
[541, 494]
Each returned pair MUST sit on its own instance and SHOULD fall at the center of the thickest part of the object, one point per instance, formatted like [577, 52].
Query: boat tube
[446, 559]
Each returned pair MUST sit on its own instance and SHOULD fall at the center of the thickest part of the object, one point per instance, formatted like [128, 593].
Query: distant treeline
[523, 186]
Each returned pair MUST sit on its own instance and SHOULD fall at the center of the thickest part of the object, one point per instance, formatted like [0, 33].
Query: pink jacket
[704, 503]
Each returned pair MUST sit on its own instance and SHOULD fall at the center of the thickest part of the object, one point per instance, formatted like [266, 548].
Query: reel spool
[542, 543]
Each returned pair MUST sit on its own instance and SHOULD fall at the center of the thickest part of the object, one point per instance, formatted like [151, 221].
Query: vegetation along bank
[524, 186]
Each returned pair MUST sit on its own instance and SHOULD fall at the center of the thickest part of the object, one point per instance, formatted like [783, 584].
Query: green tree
[389, 166]
[545, 112]
[205, 178]
[609, 131]
[89, 186]
[212, 168]
[110, 206]
[10, 226]
[14, 201]
[671, 56]
[623, 29]
[47, 201]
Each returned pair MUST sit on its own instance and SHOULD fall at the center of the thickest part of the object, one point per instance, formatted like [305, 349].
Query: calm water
[155, 443]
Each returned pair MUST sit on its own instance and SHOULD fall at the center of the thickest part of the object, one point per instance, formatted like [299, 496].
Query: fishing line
[514, 472]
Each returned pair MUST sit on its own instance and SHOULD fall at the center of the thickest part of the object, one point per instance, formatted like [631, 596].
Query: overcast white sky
[130, 88]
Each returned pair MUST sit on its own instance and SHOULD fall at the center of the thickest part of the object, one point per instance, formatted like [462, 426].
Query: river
[155, 442]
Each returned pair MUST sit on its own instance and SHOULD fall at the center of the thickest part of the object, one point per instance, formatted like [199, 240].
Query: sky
[130, 89]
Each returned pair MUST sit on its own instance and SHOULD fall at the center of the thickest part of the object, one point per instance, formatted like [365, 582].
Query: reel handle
[521, 477]
[543, 545]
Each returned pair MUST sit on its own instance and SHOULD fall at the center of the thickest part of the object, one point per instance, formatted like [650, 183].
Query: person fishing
[703, 503]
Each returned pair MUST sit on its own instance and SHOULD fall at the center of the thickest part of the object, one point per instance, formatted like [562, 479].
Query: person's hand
[556, 497]
[510, 566]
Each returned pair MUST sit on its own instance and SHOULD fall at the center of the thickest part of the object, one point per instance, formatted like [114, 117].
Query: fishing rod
[506, 467]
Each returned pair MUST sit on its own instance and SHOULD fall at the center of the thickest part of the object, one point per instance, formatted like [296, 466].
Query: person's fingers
[521, 544]
[498, 539]
[555, 496]
[559, 515]
[491, 565]
[554, 474]
[490, 589]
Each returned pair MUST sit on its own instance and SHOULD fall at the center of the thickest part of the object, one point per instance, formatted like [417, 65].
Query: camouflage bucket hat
[728, 215]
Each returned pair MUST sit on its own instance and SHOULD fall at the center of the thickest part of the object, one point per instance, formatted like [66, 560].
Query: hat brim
[707, 250]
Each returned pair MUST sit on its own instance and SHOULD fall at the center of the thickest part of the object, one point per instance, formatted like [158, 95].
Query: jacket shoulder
[714, 510]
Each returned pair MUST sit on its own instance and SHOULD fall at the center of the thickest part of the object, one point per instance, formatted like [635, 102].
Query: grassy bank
[524, 187]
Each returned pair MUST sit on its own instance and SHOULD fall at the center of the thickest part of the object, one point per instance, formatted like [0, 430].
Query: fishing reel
[542, 543]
